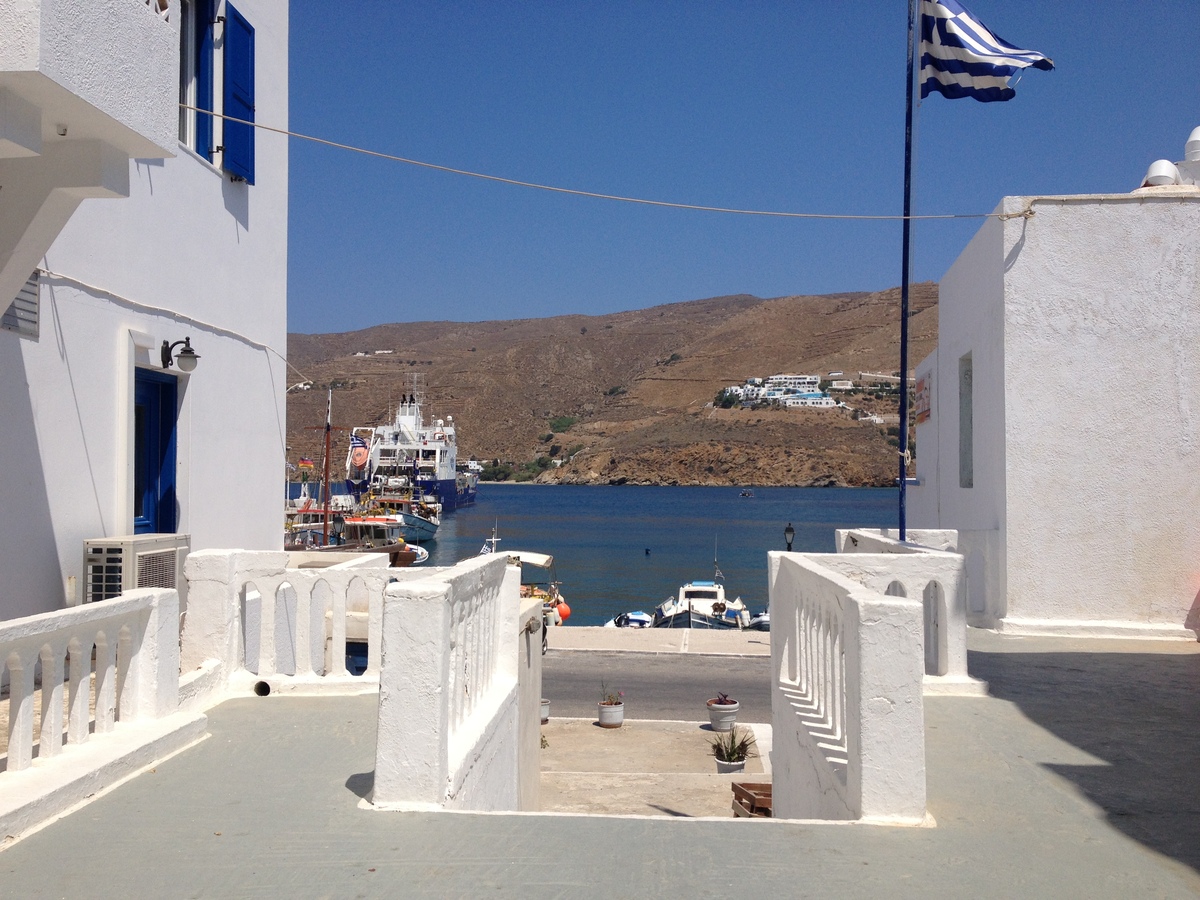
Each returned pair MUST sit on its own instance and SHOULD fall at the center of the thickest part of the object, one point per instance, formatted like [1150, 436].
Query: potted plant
[611, 707]
[722, 712]
[732, 748]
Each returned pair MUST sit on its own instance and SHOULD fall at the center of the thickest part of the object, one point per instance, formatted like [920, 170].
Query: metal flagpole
[904, 271]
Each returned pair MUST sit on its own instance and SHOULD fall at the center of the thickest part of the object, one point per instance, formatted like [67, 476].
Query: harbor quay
[1074, 776]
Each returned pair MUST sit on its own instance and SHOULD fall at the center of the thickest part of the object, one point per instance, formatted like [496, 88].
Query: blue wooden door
[154, 452]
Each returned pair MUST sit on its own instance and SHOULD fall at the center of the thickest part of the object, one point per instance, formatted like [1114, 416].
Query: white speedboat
[701, 604]
[637, 619]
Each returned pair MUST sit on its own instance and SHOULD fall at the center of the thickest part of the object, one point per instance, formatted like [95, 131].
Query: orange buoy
[564, 611]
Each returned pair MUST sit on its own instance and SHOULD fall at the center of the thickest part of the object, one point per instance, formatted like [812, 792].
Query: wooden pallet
[751, 799]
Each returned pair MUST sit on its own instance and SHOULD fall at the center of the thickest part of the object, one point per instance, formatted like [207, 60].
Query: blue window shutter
[204, 77]
[238, 158]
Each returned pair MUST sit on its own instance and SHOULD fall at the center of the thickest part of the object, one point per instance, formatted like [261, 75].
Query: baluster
[106, 687]
[50, 740]
[337, 648]
[77, 697]
[20, 712]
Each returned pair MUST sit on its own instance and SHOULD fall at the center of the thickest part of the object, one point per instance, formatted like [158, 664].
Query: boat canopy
[530, 558]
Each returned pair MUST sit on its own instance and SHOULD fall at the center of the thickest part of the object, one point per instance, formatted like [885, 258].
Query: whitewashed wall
[189, 253]
[1083, 321]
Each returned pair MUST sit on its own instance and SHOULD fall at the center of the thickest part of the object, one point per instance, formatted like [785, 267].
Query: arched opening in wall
[358, 651]
[104, 683]
[319, 606]
[125, 709]
[934, 602]
[250, 627]
[896, 589]
[285, 629]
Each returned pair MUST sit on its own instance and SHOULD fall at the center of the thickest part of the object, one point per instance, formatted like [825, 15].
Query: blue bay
[599, 536]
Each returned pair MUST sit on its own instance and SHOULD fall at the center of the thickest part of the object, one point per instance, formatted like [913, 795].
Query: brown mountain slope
[637, 383]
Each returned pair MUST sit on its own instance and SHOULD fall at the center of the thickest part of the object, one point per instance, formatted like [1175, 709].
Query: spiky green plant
[735, 745]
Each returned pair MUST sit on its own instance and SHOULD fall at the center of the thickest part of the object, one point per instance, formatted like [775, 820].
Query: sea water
[618, 549]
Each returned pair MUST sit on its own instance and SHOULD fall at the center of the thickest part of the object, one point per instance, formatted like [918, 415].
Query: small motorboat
[760, 621]
[636, 619]
[701, 604]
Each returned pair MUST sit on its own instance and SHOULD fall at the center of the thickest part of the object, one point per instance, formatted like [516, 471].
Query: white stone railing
[847, 708]
[922, 568]
[134, 641]
[451, 720]
[281, 621]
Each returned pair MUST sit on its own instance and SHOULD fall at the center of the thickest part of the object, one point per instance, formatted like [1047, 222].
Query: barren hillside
[637, 383]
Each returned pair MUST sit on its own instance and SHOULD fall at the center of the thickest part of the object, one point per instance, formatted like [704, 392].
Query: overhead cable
[572, 191]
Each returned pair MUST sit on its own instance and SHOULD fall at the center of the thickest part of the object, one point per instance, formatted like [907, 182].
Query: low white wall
[135, 641]
[938, 578]
[529, 678]
[449, 732]
[847, 710]
[257, 616]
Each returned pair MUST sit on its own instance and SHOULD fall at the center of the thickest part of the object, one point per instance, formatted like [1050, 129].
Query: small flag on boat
[961, 57]
[487, 548]
[306, 463]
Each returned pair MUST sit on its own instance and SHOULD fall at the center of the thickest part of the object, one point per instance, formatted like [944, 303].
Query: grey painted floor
[1079, 778]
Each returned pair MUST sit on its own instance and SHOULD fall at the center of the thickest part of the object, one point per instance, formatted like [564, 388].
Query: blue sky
[793, 106]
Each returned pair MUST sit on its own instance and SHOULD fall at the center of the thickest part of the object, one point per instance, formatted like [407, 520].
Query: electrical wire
[573, 191]
[174, 314]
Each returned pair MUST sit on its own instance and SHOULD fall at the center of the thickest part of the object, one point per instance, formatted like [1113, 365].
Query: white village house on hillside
[128, 224]
[1058, 421]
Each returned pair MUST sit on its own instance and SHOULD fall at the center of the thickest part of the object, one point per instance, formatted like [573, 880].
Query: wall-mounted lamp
[187, 357]
[789, 535]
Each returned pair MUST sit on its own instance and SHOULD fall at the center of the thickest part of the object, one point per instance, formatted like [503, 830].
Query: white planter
[726, 767]
[611, 715]
[545, 710]
[722, 716]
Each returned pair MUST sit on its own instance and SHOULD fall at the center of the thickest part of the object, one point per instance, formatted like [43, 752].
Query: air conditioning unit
[114, 565]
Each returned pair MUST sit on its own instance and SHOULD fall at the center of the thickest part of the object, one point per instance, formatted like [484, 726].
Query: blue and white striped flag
[960, 57]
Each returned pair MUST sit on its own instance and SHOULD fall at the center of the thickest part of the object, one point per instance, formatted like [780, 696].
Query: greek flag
[356, 441]
[960, 57]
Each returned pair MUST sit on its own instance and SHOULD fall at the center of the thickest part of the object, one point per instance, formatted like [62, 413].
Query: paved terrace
[1079, 777]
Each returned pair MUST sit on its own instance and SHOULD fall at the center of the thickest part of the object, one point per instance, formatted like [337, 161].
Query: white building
[815, 401]
[800, 383]
[1061, 431]
[144, 226]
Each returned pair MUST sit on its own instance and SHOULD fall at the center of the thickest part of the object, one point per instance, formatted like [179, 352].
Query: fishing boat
[701, 604]
[416, 514]
[358, 534]
[410, 453]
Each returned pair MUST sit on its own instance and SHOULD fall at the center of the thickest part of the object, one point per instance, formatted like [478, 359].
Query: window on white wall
[199, 21]
[966, 423]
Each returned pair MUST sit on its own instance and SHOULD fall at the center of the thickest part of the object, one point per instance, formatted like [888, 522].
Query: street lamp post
[788, 534]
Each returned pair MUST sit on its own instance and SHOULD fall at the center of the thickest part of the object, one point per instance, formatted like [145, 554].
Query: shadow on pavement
[1138, 712]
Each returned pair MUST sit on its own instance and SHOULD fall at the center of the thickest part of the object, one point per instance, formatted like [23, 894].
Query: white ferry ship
[407, 453]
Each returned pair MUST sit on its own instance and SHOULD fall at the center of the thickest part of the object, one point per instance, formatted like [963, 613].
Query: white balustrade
[278, 618]
[449, 707]
[134, 640]
[926, 568]
[847, 711]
